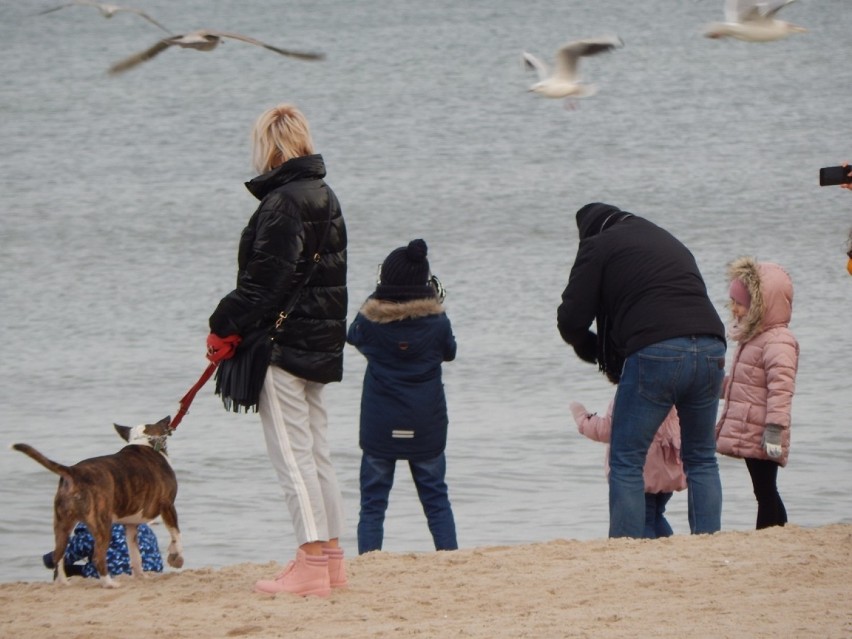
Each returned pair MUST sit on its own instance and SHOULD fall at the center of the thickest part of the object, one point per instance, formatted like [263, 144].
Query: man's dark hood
[597, 216]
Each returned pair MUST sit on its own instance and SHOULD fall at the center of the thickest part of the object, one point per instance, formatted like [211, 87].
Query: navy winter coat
[403, 406]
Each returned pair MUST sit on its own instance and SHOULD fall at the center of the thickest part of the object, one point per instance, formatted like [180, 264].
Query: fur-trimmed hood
[385, 311]
[771, 291]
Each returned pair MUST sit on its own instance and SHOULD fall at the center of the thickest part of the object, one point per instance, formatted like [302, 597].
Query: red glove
[220, 348]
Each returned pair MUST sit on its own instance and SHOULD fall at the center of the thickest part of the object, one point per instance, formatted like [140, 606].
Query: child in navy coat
[405, 335]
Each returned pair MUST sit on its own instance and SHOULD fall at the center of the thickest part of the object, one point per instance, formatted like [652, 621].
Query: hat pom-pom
[416, 251]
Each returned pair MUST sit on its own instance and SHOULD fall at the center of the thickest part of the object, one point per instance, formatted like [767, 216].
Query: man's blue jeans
[376, 483]
[685, 372]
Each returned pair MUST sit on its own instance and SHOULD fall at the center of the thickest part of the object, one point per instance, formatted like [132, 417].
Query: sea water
[121, 203]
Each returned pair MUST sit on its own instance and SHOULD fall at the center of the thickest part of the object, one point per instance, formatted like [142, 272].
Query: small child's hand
[580, 413]
[772, 440]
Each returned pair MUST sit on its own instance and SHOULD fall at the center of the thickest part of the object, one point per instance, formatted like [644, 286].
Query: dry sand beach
[781, 582]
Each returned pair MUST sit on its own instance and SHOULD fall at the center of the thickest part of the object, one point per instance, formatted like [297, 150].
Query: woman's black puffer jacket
[275, 249]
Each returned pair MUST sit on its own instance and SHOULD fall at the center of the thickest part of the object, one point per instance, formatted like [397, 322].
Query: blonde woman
[291, 286]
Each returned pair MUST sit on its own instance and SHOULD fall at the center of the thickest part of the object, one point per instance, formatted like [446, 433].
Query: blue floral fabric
[81, 546]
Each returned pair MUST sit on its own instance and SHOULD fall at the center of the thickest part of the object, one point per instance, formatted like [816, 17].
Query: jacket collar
[308, 166]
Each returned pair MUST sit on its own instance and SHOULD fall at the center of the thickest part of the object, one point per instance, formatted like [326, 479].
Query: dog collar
[159, 443]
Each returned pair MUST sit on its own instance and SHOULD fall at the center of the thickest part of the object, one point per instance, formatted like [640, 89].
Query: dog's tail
[51, 465]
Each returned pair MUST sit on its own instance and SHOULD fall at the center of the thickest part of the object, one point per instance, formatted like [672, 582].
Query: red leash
[186, 400]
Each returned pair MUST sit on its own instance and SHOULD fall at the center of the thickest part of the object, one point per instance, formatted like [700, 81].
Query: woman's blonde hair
[280, 134]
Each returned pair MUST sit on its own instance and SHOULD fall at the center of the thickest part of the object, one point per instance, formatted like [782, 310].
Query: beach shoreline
[778, 582]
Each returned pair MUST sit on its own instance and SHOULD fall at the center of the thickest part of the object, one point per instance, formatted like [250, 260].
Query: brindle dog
[131, 487]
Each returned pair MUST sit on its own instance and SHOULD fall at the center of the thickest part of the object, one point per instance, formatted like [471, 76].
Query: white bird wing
[740, 10]
[539, 66]
[142, 14]
[565, 64]
[769, 9]
[753, 10]
[138, 58]
[107, 10]
[52, 9]
[568, 55]
[201, 39]
[302, 55]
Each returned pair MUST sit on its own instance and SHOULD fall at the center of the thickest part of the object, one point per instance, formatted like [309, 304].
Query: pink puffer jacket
[663, 471]
[761, 379]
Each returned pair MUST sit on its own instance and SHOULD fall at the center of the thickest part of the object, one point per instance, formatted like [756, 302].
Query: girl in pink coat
[759, 386]
[663, 472]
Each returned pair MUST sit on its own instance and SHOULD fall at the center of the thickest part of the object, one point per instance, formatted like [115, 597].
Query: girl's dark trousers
[770, 508]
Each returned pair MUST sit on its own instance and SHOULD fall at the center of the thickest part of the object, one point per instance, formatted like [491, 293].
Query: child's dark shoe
[73, 570]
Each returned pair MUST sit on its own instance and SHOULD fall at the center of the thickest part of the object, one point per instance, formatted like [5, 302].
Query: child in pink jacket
[663, 471]
[759, 386]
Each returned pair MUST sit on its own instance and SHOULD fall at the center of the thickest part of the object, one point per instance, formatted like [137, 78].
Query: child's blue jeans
[656, 524]
[376, 483]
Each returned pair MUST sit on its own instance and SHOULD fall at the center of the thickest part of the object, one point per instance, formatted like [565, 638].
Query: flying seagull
[753, 21]
[203, 40]
[107, 11]
[564, 82]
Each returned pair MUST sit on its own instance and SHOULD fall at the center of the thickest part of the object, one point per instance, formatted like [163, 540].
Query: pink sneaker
[336, 567]
[307, 575]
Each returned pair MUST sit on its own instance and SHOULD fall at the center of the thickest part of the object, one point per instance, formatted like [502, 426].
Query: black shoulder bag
[239, 379]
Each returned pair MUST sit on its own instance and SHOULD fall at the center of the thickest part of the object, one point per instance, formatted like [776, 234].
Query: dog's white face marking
[138, 436]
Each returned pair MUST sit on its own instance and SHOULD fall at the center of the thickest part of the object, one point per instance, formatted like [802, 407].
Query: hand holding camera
[836, 175]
